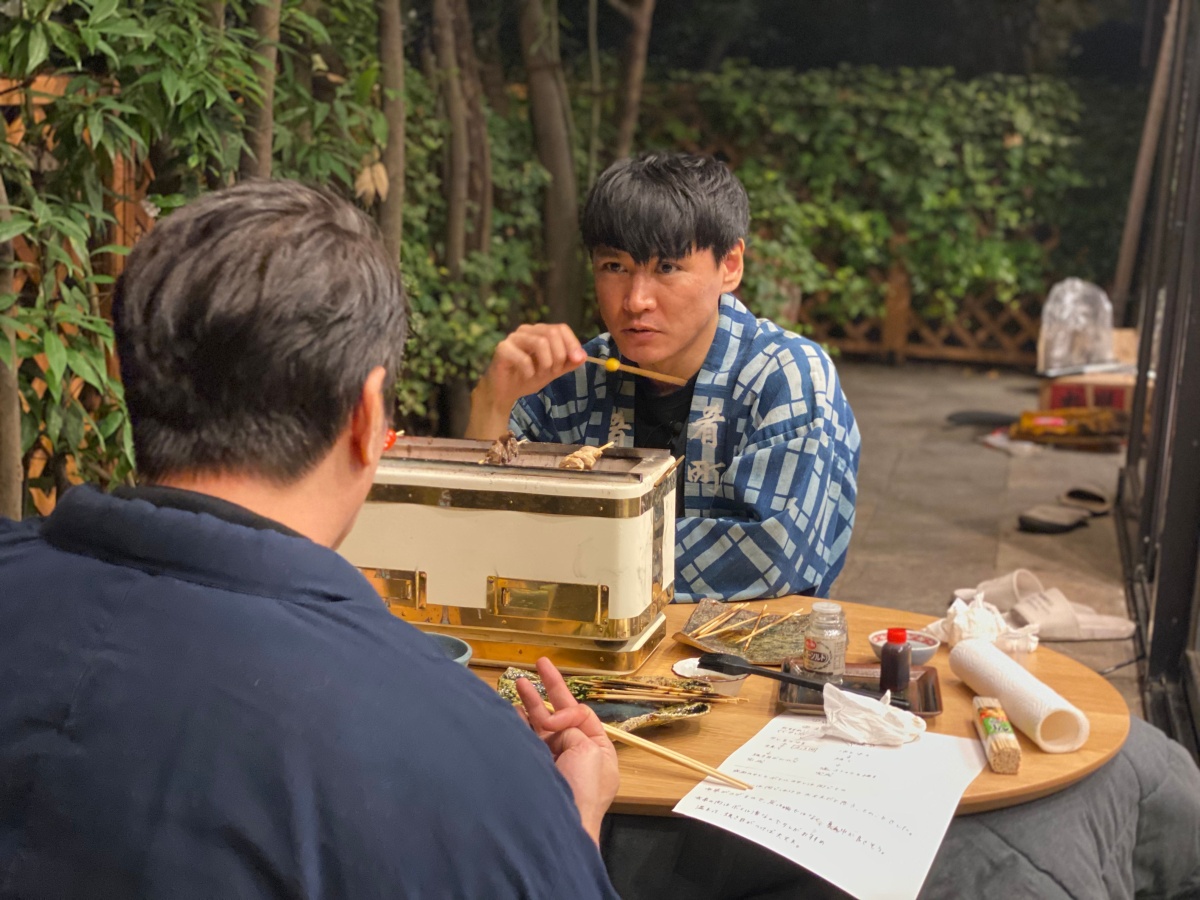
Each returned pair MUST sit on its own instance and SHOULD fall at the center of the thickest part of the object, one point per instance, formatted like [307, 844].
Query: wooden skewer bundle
[603, 688]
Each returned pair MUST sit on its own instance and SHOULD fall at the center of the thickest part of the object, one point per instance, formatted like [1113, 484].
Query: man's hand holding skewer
[524, 363]
[583, 754]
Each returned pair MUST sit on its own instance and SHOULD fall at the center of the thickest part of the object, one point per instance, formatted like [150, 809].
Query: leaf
[85, 369]
[56, 358]
[30, 429]
[54, 422]
[14, 228]
[102, 10]
[110, 423]
[73, 427]
[37, 50]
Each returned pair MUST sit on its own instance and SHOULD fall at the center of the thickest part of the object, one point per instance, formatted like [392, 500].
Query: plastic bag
[1076, 327]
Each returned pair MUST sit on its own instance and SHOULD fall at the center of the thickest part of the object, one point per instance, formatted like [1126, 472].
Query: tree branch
[624, 9]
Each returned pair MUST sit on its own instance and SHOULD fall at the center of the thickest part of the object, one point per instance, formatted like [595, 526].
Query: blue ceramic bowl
[452, 647]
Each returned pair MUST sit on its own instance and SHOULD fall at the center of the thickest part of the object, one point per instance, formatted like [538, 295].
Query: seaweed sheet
[628, 716]
[770, 648]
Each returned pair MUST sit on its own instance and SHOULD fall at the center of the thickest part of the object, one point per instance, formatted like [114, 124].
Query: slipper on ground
[1048, 519]
[985, 418]
[1088, 496]
[1058, 619]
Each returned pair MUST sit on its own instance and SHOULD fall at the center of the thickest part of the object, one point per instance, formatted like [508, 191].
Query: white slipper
[1089, 497]
[1004, 591]
[1058, 619]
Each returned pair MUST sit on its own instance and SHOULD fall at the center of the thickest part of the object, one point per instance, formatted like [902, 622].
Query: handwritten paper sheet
[868, 819]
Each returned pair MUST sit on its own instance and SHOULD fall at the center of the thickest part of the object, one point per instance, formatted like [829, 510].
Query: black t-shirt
[660, 420]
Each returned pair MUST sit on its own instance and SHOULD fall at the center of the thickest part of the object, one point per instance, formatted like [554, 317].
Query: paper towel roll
[1049, 720]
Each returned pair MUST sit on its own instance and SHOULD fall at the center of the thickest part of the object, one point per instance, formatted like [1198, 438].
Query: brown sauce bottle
[895, 662]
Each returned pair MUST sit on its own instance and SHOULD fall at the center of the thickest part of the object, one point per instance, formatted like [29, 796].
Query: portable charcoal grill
[524, 560]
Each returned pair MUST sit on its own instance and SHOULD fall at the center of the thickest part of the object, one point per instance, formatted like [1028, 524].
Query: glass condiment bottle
[825, 643]
[895, 662]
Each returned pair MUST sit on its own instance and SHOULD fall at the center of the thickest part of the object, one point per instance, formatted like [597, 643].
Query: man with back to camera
[771, 452]
[201, 698]
[766, 497]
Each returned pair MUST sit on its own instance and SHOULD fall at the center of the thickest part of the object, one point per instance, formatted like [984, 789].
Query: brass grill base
[571, 655]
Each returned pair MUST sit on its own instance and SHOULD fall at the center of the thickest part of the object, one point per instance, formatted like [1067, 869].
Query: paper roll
[1041, 713]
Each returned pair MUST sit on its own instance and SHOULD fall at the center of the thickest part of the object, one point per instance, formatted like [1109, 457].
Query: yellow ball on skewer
[612, 364]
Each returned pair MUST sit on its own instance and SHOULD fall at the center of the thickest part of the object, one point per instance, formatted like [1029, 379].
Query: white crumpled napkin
[863, 720]
[980, 619]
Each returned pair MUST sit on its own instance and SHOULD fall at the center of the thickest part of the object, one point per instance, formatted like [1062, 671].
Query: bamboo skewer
[714, 623]
[659, 698]
[710, 627]
[624, 737]
[645, 373]
[732, 626]
[753, 631]
[768, 627]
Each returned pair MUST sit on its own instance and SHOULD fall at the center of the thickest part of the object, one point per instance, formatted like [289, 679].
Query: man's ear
[731, 267]
[369, 421]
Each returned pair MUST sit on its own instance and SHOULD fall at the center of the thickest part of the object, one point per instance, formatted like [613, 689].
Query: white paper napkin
[1032, 706]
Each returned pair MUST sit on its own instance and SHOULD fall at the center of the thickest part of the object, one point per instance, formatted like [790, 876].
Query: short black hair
[246, 324]
[665, 206]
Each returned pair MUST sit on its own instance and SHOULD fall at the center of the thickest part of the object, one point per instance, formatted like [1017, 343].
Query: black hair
[246, 324]
[666, 206]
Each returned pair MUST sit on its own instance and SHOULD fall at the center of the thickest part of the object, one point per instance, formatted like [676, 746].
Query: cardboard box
[1125, 345]
[1107, 389]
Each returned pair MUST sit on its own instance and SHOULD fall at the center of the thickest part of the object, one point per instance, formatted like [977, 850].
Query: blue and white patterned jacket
[772, 455]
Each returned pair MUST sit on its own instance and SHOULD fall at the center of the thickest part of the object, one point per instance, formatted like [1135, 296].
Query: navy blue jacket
[195, 708]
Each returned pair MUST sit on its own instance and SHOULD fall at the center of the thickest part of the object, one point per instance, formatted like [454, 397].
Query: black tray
[924, 692]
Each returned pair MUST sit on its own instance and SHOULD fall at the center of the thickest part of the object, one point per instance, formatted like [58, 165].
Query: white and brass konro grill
[524, 560]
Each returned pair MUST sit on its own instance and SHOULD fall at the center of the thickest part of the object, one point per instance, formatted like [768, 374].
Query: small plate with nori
[770, 648]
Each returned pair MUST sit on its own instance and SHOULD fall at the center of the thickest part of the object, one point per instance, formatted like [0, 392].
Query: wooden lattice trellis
[985, 330]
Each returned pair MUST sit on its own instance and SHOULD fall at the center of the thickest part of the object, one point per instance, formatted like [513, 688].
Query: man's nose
[641, 294]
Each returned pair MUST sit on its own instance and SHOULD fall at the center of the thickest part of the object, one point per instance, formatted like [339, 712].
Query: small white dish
[923, 644]
[718, 681]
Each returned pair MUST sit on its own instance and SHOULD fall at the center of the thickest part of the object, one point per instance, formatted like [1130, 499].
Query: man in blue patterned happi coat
[767, 487]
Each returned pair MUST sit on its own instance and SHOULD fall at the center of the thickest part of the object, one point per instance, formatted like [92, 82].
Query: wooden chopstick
[645, 373]
[687, 762]
[624, 737]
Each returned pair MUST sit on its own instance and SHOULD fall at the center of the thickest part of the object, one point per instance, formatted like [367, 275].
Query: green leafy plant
[852, 169]
[127, 81]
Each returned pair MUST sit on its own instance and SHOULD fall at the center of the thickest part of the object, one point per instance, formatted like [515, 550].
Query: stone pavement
[937, 510]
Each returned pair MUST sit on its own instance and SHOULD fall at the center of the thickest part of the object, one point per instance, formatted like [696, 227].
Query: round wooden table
[652, 786]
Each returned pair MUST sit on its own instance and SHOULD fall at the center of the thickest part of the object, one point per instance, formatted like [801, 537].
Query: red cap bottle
[895, 662]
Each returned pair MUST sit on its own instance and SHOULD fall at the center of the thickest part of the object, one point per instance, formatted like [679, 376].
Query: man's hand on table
[583, 754]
